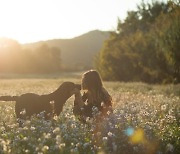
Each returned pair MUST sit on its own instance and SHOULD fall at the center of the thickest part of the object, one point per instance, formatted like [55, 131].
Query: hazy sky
[34, 20]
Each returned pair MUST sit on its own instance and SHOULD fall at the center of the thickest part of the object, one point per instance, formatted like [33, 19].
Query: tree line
[145, 46]
[15, 59]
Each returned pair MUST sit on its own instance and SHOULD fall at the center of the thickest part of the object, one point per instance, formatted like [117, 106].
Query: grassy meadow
[145, 120]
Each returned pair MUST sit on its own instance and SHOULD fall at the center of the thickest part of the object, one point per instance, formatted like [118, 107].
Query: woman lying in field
[96, 101]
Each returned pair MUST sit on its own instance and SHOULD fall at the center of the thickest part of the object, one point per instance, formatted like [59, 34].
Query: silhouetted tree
[144, 47]
[15, 59]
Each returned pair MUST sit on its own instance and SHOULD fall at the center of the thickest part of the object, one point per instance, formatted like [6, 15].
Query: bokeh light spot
[129, 131]
[138, 136]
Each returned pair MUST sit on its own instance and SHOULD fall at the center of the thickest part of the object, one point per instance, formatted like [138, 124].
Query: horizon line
[55, 38]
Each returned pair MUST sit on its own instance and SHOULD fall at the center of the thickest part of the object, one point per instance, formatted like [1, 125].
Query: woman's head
[91, 80]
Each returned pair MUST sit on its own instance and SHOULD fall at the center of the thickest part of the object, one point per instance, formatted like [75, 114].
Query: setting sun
[34, 20]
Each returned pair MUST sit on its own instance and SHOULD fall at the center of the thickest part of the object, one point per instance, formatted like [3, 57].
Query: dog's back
[30, 103]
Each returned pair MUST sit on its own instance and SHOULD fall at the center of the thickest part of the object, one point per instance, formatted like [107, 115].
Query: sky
[34, 20]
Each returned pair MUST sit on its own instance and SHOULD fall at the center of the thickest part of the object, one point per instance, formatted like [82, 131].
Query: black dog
[51, 104]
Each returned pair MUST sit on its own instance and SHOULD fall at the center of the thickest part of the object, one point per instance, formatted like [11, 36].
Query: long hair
[92, 82]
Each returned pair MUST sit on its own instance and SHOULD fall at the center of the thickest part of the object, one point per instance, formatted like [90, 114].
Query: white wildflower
[45, 148]
[89, 120]
[55, 117]
[56, 130]
[47, 136]
[51, 102]
[110, 134]
[62, 145]
[169, 147]
[108, 112]
[105, 138]
[25, 128]
[73, 126]
[78, 145]
[163, 107]
[26, 151]
[23, 112]
[25, 139]
[102, 104]
[86, 103]
[32, 128]
[58, 139]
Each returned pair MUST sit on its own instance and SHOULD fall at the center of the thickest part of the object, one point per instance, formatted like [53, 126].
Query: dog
[51, 104]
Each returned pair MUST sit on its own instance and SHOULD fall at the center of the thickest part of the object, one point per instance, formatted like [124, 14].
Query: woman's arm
[78, 104]
[107, 99]
[85, 96]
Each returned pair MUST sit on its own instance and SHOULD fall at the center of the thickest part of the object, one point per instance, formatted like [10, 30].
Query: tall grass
[145, 120]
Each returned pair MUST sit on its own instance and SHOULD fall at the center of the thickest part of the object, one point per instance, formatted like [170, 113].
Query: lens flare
[135, 136]
[138, 136]
[129, 131]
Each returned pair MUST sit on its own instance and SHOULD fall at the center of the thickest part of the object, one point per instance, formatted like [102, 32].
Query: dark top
[91, 107]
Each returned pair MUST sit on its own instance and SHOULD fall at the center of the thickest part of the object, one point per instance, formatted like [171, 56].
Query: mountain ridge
[76, 53]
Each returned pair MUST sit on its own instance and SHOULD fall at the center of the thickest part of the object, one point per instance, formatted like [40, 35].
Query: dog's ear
[78, 86]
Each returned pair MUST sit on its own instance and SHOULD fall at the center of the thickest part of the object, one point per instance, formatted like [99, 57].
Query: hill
[77, 53]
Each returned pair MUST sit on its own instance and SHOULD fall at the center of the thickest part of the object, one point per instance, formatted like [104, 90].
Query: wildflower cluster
[142, 122]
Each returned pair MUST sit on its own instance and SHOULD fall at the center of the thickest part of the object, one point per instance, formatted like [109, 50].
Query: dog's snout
[78, 86]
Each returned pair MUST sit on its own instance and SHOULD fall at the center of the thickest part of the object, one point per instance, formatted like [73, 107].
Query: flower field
[145, 120]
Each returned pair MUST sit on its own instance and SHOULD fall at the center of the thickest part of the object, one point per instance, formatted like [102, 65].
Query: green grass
[145, 120]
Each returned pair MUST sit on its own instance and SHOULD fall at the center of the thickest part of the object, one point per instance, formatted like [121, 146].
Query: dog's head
[69, 88]
[78, 86]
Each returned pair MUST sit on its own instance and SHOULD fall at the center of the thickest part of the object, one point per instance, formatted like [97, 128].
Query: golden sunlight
[32, 20]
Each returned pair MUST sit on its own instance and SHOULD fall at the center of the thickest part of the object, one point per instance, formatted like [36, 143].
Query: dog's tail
[8, 98]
